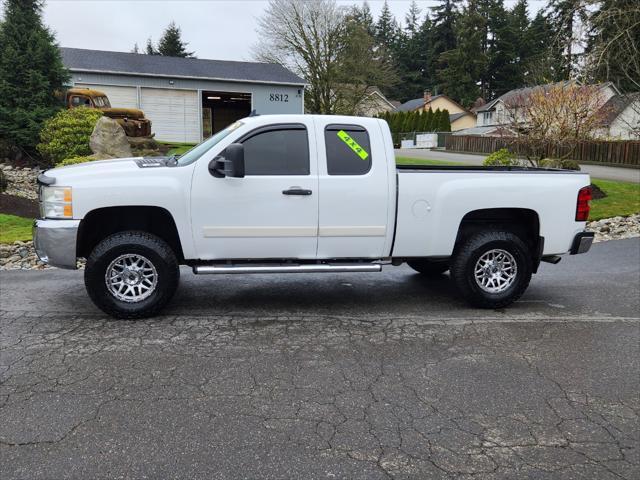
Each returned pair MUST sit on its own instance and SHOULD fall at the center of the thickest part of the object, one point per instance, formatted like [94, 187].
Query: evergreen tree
[171, 44]
[566, 16]
[445, 123]
[508, 50]
[362, 16]
[150, 49]
[412, 19]
[495, 20]
[443, 35]
[411, 56]
[135, 48]
[429, 121]
[462, 68]
[31, 74]
[386, 29]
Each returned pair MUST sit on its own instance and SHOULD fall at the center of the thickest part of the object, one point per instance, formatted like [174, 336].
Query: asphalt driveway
[327, 376]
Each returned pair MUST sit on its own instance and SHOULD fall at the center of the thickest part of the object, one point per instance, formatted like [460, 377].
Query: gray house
[186, 99]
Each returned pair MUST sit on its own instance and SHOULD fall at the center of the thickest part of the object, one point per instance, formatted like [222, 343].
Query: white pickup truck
[304, 193]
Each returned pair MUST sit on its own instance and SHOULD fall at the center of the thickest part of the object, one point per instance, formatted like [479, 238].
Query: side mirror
[230, 163]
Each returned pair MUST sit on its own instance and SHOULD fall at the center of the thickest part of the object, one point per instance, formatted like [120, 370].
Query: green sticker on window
[353, 145]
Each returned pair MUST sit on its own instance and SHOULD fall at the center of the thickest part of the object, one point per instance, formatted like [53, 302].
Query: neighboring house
[374, 103]
[496, 112]
[488, 131]
[186, 99]
[622, 117]
[459, 116]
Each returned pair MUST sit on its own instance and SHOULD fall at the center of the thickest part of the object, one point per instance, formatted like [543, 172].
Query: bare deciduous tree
[318, 41]
[305, 37]
[552, 120]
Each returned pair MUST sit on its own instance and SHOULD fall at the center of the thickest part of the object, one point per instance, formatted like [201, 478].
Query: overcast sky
[217, 29]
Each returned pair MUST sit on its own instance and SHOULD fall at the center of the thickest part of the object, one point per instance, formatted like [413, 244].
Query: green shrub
[74, 160]
[66, 134]
[499, 158]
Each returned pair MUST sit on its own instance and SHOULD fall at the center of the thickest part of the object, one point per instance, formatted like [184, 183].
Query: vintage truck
[304, 193]
[131, 120]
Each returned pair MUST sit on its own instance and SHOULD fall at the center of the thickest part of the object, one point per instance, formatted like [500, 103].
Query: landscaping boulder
[108, 140]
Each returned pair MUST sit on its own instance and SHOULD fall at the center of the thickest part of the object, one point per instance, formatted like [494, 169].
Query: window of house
[282, 151]
[348, 150]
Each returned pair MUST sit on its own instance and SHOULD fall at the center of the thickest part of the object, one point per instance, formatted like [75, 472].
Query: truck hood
[116, 168]
[132, 113]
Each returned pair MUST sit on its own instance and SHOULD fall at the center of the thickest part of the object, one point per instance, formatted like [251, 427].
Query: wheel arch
[523, 222]
[102, 222]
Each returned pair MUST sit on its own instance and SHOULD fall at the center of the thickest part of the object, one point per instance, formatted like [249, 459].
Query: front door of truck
[272, 212]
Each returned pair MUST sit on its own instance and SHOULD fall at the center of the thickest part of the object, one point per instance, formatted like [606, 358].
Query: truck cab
[304, 193]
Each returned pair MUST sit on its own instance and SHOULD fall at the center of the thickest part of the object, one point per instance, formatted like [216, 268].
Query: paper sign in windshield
[353, 145]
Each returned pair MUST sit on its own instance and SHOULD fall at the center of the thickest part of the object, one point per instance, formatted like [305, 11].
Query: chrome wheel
[495, 271]
[131, 278]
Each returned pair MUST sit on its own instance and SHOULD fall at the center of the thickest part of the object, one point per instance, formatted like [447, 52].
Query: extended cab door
[270, 213]
[357, 188]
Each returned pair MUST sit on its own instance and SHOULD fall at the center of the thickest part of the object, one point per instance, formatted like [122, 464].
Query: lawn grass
[13, 228]
[622, 199]
[423, 161]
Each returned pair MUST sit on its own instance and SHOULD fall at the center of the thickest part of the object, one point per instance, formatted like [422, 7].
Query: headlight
[56, 202]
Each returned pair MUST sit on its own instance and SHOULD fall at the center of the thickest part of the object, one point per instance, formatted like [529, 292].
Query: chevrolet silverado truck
[301, 194]
[131, 120]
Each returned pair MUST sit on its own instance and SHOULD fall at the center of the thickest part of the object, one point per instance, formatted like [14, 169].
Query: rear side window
[277, 152]
[348, 150]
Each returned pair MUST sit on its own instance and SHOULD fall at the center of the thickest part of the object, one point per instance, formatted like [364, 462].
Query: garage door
[119, 97]
[173, 113]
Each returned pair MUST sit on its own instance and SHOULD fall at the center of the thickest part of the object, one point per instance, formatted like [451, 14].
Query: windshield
[197, 151]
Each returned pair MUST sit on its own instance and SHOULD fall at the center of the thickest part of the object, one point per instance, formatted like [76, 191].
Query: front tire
[131, 275]
[492, 269]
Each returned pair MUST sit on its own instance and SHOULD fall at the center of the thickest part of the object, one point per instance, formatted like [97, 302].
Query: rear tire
[131, 275]
[429, 268]
[492, 269]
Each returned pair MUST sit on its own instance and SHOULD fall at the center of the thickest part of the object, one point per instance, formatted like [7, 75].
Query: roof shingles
[79, 59]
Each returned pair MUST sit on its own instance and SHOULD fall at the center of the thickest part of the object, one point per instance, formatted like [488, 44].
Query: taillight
[582, 208]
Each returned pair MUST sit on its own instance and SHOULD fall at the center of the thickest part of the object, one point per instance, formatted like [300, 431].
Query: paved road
[596, 171]
[338, 376]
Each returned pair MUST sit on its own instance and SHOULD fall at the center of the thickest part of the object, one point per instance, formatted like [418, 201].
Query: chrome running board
[306, 268]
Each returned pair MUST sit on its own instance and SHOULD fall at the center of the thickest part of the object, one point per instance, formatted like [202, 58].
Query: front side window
[348, 150]
[200, 149]
[277, 152]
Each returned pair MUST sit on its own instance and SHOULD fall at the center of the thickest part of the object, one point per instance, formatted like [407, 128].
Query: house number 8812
[279, 97]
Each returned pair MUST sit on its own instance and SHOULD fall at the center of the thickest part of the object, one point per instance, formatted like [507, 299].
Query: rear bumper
[582, 243]
[55, 242]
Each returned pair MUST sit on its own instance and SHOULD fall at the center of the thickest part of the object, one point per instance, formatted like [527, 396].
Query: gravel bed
[21, 181]
[615, 228]
[22, 256]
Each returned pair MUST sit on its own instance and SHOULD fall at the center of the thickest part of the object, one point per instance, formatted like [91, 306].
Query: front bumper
[55, 242]
[582, 243]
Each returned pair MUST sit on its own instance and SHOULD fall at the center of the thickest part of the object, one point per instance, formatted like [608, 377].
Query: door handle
[296, 191]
